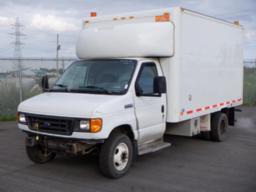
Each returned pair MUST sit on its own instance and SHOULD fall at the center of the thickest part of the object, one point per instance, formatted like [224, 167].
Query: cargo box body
[205, 74]
[201, 56]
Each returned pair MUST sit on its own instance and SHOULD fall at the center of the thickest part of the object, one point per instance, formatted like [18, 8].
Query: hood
[72, 104]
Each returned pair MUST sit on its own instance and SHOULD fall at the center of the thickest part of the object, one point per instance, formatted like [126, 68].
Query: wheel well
[126, 129]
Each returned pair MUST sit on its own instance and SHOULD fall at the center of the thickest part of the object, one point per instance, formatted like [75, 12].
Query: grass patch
[7, 118]
[250, 87]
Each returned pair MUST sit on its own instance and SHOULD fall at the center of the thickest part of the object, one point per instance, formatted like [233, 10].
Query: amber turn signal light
[95, 125]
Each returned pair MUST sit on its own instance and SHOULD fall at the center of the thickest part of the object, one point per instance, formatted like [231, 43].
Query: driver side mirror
[159, 84]
[45, 83]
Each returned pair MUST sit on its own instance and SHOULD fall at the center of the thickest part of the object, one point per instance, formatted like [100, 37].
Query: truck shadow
[82, 171]
[83, 166]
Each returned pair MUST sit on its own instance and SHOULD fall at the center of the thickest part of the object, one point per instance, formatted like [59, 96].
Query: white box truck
[139, 76]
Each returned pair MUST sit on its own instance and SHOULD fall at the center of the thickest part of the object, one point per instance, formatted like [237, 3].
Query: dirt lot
[190, 164]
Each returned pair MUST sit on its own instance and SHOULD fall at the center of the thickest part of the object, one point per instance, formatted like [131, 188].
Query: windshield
[97, 76]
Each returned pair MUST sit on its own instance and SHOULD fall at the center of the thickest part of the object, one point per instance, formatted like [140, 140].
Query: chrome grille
[49, 124]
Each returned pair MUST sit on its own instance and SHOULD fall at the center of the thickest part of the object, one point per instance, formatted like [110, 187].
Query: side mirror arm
[138, 90]
[45, 83]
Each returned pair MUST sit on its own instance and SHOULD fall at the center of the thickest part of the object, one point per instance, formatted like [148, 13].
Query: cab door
[149, 106]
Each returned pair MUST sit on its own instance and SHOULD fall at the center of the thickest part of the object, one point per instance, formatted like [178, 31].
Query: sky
[43, 19]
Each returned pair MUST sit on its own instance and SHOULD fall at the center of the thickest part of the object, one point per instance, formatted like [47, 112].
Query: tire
[219, 125]
[116, 156]
[37, 155]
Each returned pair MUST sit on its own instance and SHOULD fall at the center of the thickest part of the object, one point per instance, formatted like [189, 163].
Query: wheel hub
[121, 155]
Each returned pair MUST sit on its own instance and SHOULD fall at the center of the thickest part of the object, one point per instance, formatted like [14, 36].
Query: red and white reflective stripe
[189, 112]
[198, 110]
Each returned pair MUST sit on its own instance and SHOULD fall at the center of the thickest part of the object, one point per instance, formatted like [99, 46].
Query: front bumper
[54, 144]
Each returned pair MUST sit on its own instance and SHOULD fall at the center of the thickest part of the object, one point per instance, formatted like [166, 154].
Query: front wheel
[116, 156]
[38, 154]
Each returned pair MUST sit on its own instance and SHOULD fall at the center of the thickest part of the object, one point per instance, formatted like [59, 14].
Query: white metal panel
[171, 68]
[186, 128]
[129, 17]
[206, 72]
[211, 65]
[150, 118]
[127, 40]
[108, 107]
[205, 123]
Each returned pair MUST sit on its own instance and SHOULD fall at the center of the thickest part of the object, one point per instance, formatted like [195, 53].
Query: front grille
[48, 124]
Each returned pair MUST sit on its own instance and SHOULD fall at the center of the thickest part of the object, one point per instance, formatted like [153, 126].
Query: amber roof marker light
[163, 18]
[93, 14]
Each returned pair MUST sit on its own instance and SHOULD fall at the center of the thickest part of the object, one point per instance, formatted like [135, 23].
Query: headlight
[92, 125]
[84, 125]
[21, 118]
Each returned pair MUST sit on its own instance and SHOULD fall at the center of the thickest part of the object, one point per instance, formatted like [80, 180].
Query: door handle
[162, 108]
[128, 106]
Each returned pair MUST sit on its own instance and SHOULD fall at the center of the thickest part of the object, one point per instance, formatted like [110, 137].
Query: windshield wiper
[61, 85]
[97, 88]
[65, 88]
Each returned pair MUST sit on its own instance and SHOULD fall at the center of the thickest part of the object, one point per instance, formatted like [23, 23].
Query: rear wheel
[219, 125]
[116, 156]
[38, 154]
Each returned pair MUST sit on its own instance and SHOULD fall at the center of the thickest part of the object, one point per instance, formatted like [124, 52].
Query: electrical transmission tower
[17, 53]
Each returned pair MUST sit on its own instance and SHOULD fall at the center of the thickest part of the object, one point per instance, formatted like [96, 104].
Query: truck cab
[95, 100]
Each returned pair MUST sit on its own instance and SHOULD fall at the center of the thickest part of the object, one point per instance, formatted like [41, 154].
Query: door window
[146, 79]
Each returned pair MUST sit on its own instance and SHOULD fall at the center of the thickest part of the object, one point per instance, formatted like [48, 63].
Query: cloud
[5, 21]
[43, 19]
[52, 23]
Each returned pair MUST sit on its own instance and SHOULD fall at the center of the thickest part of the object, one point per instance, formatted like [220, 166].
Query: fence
[250, 63]
[34, 68]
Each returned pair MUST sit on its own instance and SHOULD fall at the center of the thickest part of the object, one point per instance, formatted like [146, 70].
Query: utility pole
[63, 65]
[17, 53]
[255, 65]
[57, 56]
